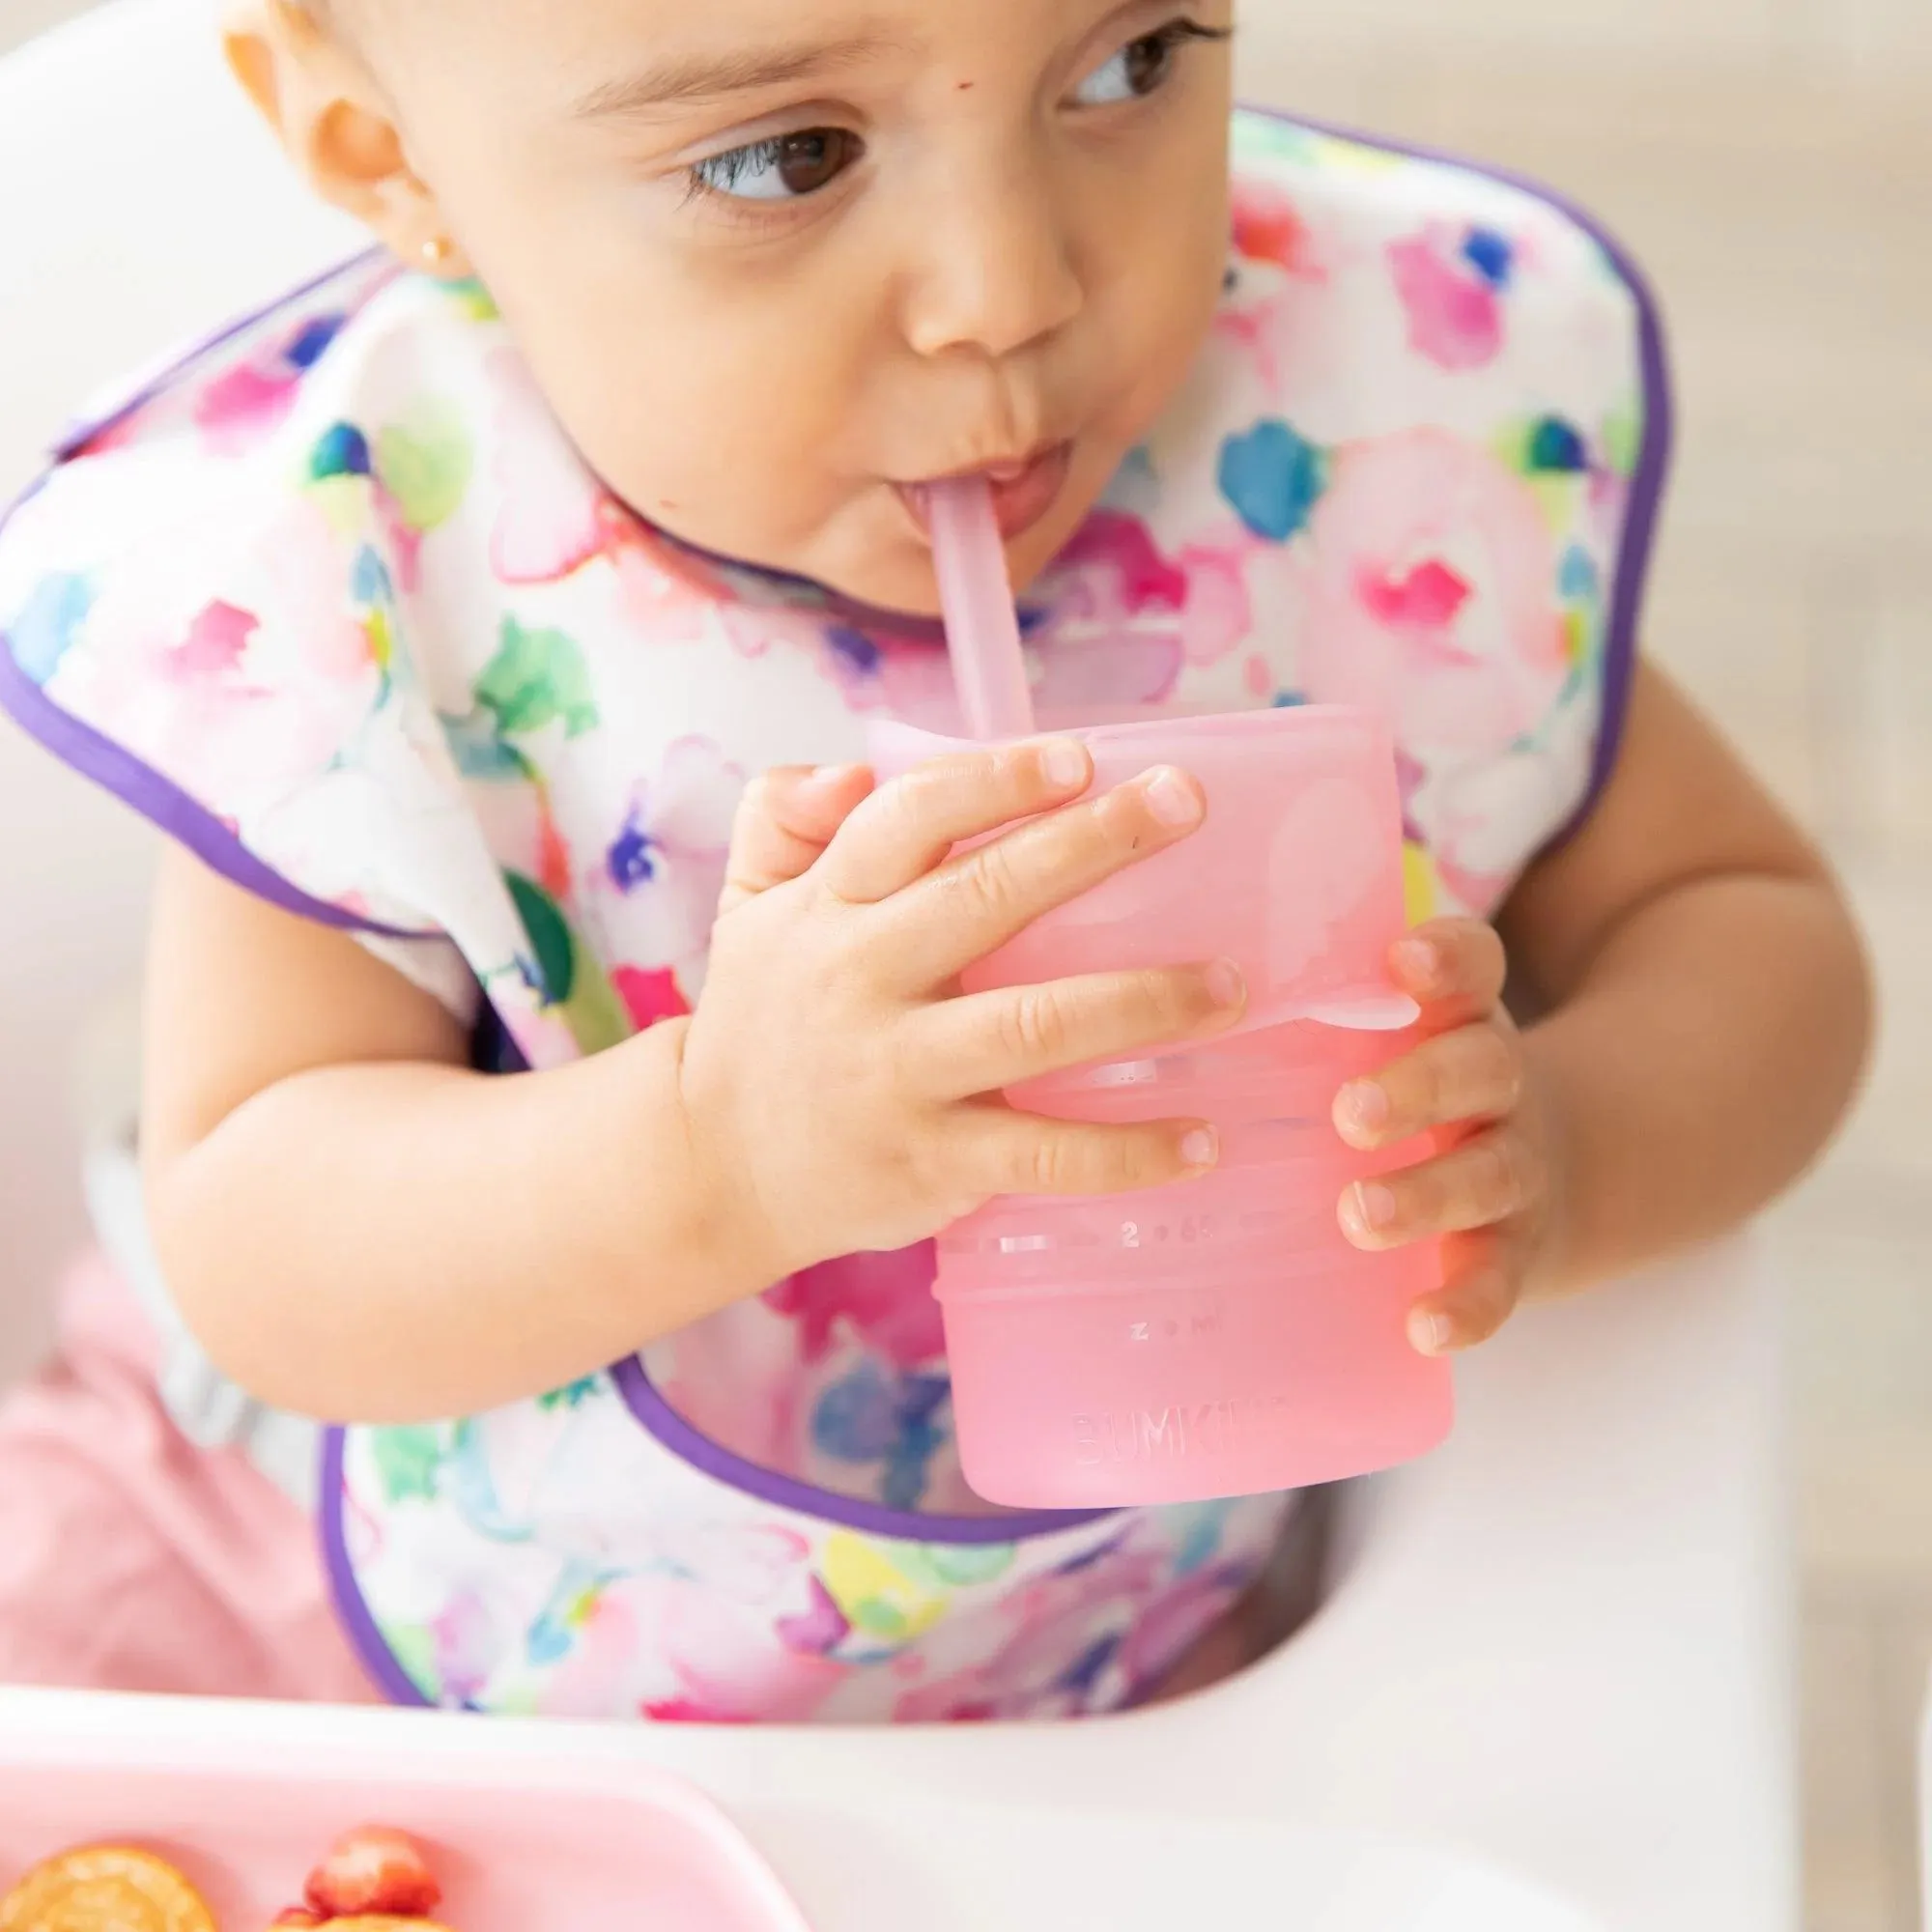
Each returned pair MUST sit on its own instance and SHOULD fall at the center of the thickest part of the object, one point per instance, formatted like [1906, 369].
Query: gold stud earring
[438, 252]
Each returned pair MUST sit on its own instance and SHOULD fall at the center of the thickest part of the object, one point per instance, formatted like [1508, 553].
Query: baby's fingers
[1482, 1182]
[785, 820]
[988, 1042]
[1472, 1074]
[1455, 967]
[975, 902]
[1485, 1274]
[911, 825]
[1006, 1152]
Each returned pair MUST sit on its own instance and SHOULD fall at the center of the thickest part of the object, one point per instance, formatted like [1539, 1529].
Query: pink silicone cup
[515, 1848]
[1217, 1338]
[1220, 1338]
[1296, 876]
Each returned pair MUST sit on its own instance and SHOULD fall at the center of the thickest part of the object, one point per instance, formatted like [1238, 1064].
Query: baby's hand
[1489, 1191]
[787, 818]
[842, 1094]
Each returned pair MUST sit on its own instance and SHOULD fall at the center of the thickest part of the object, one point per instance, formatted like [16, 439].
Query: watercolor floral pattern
[340, 588]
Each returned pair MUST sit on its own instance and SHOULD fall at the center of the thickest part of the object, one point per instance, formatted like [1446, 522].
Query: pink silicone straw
[982, 630]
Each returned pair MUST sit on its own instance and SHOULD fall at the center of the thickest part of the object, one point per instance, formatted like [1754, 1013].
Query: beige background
[1770, 160]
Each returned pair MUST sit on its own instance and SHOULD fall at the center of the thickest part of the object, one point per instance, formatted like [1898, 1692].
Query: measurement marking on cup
[1174, 1330]
[1177, 1432]
[1171, 1328]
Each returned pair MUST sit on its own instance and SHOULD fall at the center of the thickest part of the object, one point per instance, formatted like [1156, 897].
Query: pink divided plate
[519, 1847]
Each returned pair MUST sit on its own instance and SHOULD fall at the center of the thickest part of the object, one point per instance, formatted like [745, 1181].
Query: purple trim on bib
[163, 802]
[156, 797]
[165, 373]
[820, 598]
[1660, 428]
[678, 1438]
[656, 1416]
[672, 1433]
[351, 1607]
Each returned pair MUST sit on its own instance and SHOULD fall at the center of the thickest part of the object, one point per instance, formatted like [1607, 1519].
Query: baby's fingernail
[1172, 799]
[1363, 1106]
[1430, 1334]
[1417, 960]
[1225, 986]
[826, 776]
[1375, 1206]
[1200, 1147]
[1065, 763]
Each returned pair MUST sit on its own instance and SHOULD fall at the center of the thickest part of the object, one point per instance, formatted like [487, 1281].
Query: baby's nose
[993, 271]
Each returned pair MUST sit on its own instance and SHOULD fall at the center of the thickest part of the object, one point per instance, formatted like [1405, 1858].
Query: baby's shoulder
[1435, 401]
[231, 479]
[205, 604]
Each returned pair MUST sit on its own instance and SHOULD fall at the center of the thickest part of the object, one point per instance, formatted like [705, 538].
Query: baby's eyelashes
[785, 167]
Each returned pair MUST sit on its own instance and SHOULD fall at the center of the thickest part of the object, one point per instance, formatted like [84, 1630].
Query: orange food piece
[104, 1888]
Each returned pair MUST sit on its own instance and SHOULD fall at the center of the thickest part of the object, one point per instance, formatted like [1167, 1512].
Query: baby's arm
[356, 1226]
[1709, 1006]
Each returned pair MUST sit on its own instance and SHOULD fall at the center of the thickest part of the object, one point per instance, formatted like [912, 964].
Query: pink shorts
[132, 1560]
[129, 1559]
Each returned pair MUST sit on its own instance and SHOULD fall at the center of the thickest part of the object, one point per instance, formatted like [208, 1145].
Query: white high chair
[1560, 1647]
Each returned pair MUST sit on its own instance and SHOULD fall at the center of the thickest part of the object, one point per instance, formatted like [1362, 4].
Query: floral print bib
[335, 603]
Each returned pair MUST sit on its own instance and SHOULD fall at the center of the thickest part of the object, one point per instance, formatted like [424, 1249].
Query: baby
[495, 624]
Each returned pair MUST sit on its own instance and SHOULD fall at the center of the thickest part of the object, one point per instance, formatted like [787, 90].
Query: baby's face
[774, 263]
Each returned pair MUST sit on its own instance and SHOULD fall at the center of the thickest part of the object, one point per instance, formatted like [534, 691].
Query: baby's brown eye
[812, 160]
[784, 168]
[1147, 61]
[1143, 67]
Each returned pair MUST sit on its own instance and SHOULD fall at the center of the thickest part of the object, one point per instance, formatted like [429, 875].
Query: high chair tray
[539, 1827]
[1558, 1649]
[517, 1845]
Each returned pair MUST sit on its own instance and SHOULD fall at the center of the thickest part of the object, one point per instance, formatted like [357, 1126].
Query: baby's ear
[316, 93]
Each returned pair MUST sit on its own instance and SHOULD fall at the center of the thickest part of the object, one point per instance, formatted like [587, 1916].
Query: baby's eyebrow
[700, 78]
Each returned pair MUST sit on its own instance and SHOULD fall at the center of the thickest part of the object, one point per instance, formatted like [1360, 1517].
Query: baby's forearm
[380, 1243]
[1700, 1067]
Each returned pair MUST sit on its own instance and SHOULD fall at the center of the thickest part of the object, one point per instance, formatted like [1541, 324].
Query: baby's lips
[1022, 492]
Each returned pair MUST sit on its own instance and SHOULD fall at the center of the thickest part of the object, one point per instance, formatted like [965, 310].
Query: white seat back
[140, 204]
